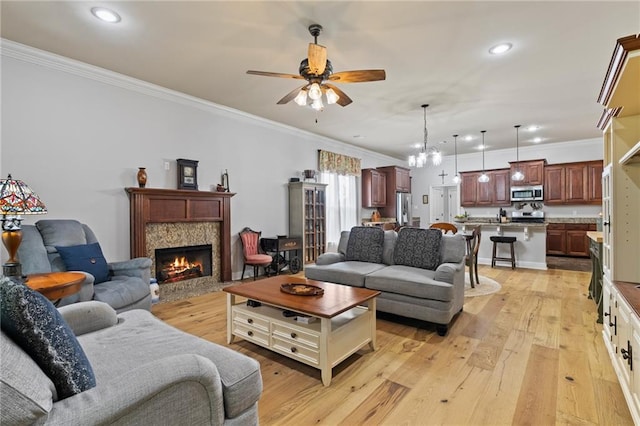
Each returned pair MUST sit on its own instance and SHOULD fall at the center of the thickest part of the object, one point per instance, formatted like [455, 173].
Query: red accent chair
[251, 251]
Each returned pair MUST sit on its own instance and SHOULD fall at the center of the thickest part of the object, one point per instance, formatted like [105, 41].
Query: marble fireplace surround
[162, 218]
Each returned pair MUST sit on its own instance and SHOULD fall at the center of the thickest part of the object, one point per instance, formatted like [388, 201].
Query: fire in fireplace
[183, 263]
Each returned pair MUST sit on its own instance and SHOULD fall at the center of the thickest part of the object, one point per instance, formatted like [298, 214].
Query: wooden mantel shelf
[156, 205]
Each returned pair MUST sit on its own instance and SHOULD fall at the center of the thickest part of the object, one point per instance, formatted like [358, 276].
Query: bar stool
[509, 240]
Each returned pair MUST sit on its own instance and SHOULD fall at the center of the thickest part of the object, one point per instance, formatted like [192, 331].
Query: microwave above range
[526, 193]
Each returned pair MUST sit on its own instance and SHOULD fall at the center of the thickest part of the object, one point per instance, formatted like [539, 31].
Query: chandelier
[426, 152]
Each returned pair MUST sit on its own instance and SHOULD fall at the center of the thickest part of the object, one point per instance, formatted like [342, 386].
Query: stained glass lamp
[16, 198]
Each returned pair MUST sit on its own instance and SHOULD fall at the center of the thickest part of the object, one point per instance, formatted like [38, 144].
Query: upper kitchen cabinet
[496, 192]
[374, 188]
[398, 179]
[532, 170]
[573, 183]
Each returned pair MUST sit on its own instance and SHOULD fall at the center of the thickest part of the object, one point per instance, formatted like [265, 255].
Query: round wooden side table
[56, 285]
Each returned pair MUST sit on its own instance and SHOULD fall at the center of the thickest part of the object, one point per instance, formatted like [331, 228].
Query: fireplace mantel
[153, 205]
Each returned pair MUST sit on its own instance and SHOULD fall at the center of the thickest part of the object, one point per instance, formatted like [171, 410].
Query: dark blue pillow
[87, 258]
[37, 327]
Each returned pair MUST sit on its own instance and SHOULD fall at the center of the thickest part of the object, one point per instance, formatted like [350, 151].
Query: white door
[452, 203]
[438, 204]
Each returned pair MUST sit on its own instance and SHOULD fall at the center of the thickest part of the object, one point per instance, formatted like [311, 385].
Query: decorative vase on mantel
[142, 177]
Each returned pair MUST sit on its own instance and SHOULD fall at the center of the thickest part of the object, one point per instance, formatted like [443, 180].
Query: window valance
[338, 163]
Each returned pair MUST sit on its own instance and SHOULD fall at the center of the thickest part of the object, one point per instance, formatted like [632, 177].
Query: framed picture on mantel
[187, 174]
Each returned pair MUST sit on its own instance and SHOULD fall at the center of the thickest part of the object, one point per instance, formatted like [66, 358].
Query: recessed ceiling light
[481, 147]
[532, 128]
[105, 15]
[468, 138]
[537, 140]
[501, 48]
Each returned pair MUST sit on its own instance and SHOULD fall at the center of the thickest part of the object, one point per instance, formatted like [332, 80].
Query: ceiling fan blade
[290, 96]
[343, 99]
[275, 74]
[317, 58]
[358, 76]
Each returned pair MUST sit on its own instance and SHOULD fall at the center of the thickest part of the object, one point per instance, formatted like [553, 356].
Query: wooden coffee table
[339, 325]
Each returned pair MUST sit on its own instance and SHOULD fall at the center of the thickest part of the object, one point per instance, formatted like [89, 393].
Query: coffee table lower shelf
[322, 344]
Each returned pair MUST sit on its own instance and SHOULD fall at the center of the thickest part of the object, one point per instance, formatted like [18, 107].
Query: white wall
[565, 152]
[77, 135]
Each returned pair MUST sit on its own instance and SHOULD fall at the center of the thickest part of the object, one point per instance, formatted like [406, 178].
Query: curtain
[340, 173]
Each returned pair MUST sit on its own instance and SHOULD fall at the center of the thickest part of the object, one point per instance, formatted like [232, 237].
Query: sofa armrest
[152, 393]
[86, 317]
[139, 267]
[329, 258]
[445, 272]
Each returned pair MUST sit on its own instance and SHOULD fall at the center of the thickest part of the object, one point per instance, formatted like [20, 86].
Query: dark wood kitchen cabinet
[496, 192]
[573, 183]
[569, 239]
[533, 171]
[374, 188]
[398, 179]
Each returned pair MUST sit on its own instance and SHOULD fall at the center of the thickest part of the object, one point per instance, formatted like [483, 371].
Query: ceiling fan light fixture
[301, 98]
[315, 92]
[317, 104]
[332, 96]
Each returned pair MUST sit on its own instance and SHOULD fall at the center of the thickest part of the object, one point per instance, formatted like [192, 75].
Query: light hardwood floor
[531, 354]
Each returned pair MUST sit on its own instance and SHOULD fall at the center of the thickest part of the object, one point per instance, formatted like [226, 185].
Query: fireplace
[183, 263]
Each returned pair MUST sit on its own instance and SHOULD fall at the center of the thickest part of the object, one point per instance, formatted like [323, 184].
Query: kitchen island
[530, 246]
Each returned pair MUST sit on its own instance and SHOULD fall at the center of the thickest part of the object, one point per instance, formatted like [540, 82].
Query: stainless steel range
[536, 216]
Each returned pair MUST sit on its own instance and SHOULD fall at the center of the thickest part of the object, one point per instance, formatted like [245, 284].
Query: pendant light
[484, 178]
[517, 175]
[426, 152]
[456, 178]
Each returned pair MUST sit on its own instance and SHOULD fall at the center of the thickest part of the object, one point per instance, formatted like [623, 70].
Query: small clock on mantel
[187, 174]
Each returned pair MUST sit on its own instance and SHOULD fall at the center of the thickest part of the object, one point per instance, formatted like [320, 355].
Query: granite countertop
[595, 236]
[475, 222]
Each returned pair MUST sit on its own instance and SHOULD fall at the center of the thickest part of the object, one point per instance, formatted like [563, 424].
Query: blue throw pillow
[35, 325]
[87, 258]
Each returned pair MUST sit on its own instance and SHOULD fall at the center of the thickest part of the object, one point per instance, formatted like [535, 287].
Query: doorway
[444, 203]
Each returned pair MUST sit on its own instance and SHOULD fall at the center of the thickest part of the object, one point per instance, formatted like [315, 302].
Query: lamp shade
[16, 198]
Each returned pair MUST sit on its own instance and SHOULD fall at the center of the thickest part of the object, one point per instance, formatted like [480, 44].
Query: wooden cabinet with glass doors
[307, 217]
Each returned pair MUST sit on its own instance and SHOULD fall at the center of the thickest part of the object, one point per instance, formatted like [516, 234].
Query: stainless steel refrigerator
[403, 208]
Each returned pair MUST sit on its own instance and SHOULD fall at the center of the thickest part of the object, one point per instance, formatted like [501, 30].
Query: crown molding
[24, 53]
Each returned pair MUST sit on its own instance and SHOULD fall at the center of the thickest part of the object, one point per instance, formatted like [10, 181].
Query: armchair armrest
[329, 258]
[446, 272]
[139, 267]
[152, 393]
[86, 317]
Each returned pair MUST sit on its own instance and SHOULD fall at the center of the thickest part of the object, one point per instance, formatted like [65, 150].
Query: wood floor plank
[510, 350]
[536, 407]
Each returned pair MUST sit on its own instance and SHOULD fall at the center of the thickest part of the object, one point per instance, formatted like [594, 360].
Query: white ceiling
[433, 52]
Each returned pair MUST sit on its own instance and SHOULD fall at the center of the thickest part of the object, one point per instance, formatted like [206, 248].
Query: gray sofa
[128, 284]
[419, 272]
[146, 373]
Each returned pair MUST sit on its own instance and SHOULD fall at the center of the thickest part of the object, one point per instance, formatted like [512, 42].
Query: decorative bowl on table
[460, 219]
[302, 289]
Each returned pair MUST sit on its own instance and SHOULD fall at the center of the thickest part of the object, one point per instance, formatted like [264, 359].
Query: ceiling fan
[318, 72]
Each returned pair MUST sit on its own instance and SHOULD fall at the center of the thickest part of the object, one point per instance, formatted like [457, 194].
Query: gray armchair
[146, 372]
[128, 284]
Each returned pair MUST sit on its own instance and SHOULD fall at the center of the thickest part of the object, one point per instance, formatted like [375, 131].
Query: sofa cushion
[410, 281]
[351, 273]
[365, 244]
[142, 335]
[86, 258]
[38, 328]
[59, 232]
[389, 246]
[121, 291]
[418, 247]
[26, 393]
[452, 248]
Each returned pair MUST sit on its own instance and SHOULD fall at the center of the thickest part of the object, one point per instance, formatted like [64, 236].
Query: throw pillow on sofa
[418, 247]
[365, 244]
[86, 258]
[35, 325]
